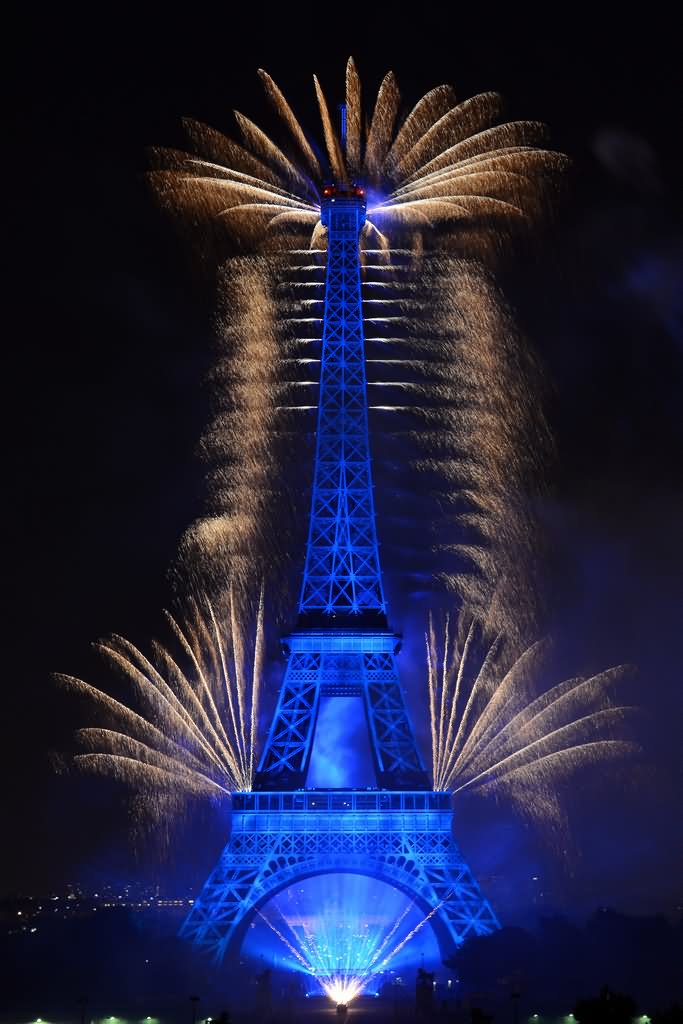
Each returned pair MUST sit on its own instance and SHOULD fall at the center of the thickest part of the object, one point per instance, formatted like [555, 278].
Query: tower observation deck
[400, 832]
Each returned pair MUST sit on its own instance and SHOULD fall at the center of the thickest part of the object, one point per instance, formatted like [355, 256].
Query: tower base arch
[399, 837]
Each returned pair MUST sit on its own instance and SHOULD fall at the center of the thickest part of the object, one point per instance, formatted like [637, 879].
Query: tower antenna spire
[342, 124]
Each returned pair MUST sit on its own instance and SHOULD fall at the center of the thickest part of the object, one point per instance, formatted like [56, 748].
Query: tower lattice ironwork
[400, 832]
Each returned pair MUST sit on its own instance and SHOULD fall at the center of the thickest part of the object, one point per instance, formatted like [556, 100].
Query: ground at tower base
[116, 957]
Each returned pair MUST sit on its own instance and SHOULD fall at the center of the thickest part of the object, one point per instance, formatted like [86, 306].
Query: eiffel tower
[400, 832]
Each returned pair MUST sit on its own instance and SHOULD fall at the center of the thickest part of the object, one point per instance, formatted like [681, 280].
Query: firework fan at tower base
[498, 729]
[186, 729]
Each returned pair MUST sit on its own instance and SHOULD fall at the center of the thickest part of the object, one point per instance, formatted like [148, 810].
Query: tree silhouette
[607, 1008]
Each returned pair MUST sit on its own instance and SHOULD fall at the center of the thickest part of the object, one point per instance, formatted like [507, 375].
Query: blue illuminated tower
[400, 832]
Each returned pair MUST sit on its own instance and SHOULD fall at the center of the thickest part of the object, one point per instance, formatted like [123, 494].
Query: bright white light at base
[343, 990]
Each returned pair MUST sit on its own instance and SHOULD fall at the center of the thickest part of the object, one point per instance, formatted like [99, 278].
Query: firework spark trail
[390, 934]
[305, 964]
[183, 734]
[411, 934]
[509, 738]
[449, 177]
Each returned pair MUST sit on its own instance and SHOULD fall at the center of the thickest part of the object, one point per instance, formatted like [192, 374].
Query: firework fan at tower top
[445, 165]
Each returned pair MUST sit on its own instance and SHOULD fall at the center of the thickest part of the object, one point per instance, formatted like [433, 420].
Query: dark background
[107, 328]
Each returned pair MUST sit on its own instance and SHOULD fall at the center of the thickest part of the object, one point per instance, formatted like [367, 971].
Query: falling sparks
[493, 731]
[250, 525]
[191, 727]
[465, 418]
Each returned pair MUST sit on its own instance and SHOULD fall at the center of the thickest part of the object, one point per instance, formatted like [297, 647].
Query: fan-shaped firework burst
[449, 380]
[190, 729]
[444, 164]
[496, 730]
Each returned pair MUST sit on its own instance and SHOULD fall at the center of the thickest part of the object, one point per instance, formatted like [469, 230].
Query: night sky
[107, 336]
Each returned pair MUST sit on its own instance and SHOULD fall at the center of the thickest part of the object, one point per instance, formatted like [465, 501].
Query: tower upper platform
[337, 197]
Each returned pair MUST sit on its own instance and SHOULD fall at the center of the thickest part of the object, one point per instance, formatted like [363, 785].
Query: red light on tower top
[342, 190]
